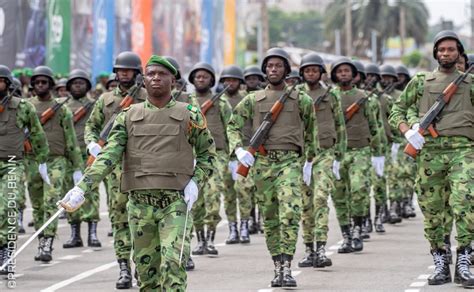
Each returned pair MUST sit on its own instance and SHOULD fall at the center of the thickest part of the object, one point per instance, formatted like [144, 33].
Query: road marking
[104, 214]
[412, 290]
[70, 257]
[329, 253]
[220, 244]
[79, 277]
[266, 290]
[431, 267]
[295, 273]
[423, 277]
[417, 284]
[87, 250]
[49, 264]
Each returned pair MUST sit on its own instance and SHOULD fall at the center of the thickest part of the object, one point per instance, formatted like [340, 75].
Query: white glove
[395, 147]
[73, 199]
[245, 157]
[336, 165]
[43, 170]
[414, 138]
[307, 172]
[233, 169]
[378, 163]
[190, 193]
[94, 149]
[76, 176]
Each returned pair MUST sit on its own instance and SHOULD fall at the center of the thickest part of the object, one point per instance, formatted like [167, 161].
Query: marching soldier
[78, 85]
[60, 88]
[127, 66]
[360, 78]
[364, 139]
[63, 149]
[333, 142]
[15, 116]
[202, 76]
[179, 91]
[293, 78]
[112, 82]
[277, 175]
[157, 140]
[445, 163]
[403, 77]
[253, 78]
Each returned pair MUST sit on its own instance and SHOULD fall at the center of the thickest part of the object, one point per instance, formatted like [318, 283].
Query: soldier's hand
[245, 157]
[414, 137]
[336, 165]
[394, 151]
[307, 172]
[43, 171]
[191, 193]
[233, 169]
[76, 176]
[378, 163]
[73, 199]
[94, 149]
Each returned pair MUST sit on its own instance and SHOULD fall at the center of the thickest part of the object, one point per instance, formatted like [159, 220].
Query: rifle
[82, 111]
[210, 102]
[426, 122]
[6, 99]
[126, 102]
[320, 99]
[178, 94]
[257, 140]
[355, 107]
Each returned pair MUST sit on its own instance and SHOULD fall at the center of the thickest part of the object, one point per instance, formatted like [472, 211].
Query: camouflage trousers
[206, 208]
[157, 234]
[118, 215]
[402, 178]
[278, 178]
[89, 211]
[379, 184]
[43, 196]
[237, 194]
[353, 190]
[445, 181]
[11, 187]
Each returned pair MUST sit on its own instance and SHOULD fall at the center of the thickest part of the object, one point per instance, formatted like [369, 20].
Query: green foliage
[412, 59]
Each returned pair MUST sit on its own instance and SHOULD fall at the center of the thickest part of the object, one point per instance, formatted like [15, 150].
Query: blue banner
[207, 33]
[103, 37]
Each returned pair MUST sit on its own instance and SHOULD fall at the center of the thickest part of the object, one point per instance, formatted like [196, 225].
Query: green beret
[28, 72]
[158, 60]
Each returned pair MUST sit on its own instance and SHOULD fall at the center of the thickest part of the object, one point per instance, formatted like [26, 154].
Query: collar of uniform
[119, 92]
[149, 105]
[347, 92]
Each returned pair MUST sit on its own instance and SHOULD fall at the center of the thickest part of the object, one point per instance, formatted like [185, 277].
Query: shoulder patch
[192, 108]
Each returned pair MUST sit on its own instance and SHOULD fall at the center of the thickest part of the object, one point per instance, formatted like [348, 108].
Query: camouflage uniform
[157, 217]
[117, 202]
[278, 174]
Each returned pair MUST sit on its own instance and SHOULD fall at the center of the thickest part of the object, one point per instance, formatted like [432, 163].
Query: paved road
[396, 261]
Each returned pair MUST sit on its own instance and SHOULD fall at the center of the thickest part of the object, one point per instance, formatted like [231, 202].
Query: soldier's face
[388, 80]
[252, 82]
[202, 80]
[275, 70]
[3, 85]
[78, 88]
[112, 85]
[233, 83]
[461, 64]
[311, 74]
[158, 81]
[62, 91]
[125, 76]
[344, 74]
[447, 53]
[41, 85]
[402, 78]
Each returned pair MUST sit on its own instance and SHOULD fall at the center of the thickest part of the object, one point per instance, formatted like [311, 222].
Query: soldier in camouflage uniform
[277, 175]
[112, 82]
[202, 76]
[179, 92]
[127, 66]
[78, 84]
[364, 139]
[238, 188]
[63, 148]
[360, 78]
[333, 142]
[293, 78]
[156, 138]
[17, 115]
[60, 88]
[445, 163]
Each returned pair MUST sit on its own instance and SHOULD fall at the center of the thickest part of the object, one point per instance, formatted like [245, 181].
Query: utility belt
[279, 154]
[148, 197]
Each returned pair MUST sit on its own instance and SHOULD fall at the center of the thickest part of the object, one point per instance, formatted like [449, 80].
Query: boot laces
[439, 261]
[464, 262]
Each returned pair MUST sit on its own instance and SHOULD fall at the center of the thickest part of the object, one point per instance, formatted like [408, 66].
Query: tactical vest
[183, 97]
[457, 118]
[247, 129]
[158, 154]
[11, 137]
[214, 122]
[112, 100]
[53, 130]
[385, 112]
[287, 132]
[327, 135]
[358, 132]
[74, 105]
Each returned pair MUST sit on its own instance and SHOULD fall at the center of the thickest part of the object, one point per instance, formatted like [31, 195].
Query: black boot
[233, 234]
[368, 224]
[287, 279]
[447, 247]
[253, 229]
[47, 253]
[21, 228]
[385, 214]
[201, 246]
[378, 219]
[125, 277]
[244, 231]
[346, 246]
[407, 209]
[463, 275]
[364, 230]
[75, 240]
[321, 260]
[189, 264]
[357, 243]
[92, 240]
[210, 248]
[441, 273]
[394, 218]
[277, 280]
[40, 247]
[307, 261]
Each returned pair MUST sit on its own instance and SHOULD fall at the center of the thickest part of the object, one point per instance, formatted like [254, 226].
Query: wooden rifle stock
[210, 102]
[51, 111]
[81, 112]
